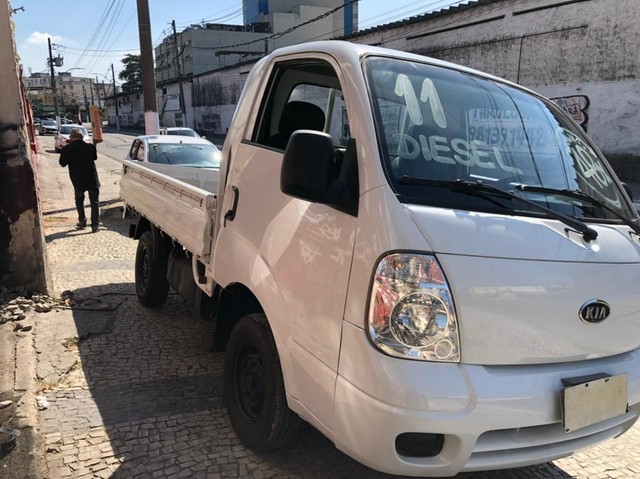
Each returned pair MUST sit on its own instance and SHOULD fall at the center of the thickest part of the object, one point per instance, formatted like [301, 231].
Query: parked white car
[179, 131]
[175, 150]
[62, 136]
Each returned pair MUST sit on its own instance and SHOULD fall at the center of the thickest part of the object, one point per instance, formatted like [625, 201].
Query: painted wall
[169, 109]
[22, 254]
[214, 97]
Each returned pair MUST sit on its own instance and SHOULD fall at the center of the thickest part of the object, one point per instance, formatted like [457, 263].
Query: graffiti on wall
[576, 106]
[211, 122]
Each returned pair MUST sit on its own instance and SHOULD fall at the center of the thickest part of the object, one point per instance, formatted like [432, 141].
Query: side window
[140, 154]
[302, 96]
[133, 150]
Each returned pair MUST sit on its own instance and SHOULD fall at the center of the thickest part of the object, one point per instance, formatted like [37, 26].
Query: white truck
[434, 267]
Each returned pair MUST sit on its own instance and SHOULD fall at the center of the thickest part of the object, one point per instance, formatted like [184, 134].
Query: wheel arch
[141, 226]
[234, 302]
[162, 243]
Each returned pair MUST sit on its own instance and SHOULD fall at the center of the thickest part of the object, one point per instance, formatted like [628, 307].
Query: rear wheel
[152, 286]
[254, 388]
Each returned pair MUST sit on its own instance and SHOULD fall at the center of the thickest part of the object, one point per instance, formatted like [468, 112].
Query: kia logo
[594, 311]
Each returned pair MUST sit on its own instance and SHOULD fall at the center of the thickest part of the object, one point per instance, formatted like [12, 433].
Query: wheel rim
[249, 384]
[144, 269]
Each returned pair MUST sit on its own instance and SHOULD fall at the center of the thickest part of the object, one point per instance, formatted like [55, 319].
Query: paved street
[136, 392]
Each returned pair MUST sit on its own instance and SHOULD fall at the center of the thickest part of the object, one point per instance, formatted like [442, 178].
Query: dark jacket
[81, 158]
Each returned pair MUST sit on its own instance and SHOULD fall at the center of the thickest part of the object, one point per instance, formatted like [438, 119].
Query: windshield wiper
[581, 195]
[479, 188]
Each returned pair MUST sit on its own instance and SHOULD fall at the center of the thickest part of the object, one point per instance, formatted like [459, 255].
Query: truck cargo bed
[173, 203]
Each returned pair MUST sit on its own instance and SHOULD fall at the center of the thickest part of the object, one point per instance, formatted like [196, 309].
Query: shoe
[80, 225]
[94, 228]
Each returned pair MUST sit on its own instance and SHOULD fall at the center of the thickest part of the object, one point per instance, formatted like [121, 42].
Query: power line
[103, 17]
[214, 18]
[280, 34]
[66, 48]
[107, 33]
[105, 55]
[424, 8]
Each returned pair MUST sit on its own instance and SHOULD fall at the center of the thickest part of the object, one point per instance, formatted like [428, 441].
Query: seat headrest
[300, 115]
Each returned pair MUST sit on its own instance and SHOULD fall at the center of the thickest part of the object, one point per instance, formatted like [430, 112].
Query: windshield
[49, 122]
[441, 124]
[199, 155]
[183, 132]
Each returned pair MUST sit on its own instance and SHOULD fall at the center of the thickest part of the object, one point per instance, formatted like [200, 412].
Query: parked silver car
[48, 126]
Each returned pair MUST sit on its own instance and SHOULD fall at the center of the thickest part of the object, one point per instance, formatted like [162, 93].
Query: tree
[131, 74]
[37, 107]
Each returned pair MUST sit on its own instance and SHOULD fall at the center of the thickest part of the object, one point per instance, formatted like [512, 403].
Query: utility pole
[53, 84]
[86, 104]
[115, 97]
[151, 123]
[183, 107]
[98, 91]
[91, 90]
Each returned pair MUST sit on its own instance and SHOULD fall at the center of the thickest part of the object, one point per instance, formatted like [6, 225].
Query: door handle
[231, 214]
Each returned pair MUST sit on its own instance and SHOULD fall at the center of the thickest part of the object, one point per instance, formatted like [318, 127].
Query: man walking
[81, 158]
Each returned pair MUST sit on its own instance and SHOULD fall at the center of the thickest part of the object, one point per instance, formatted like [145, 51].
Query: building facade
[71, 90]
[210, 46]
[207, 47]
[130, 111]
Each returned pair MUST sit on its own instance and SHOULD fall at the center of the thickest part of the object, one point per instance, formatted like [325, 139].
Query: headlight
[411, 314]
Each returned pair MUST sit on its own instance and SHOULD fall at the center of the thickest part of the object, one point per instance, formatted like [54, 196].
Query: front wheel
[152, 286]
[254, 391]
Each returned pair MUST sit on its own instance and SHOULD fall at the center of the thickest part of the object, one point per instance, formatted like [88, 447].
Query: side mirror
[309, 171]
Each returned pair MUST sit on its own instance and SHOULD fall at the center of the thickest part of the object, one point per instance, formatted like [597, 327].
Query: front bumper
[491, 417]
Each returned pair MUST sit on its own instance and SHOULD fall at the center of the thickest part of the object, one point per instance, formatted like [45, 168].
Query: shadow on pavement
[103, 204]
[153, 401]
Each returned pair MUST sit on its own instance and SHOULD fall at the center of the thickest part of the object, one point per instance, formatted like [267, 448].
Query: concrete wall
[22, 254]
[295, 6]
[318, 30]
[560, 48]
[169, 105]
[214, 97]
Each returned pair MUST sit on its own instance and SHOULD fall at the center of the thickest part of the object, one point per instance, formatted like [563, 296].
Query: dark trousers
[95, 206]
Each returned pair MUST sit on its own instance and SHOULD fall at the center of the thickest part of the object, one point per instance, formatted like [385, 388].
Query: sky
[108, 28]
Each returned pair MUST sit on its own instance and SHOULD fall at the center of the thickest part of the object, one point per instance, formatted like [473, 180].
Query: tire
[152, 286]
[254, 391]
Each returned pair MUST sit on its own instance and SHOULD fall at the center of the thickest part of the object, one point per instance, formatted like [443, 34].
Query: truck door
[306, 247]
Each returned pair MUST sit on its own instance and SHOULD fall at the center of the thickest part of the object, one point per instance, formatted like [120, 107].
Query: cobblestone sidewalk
[135, 392]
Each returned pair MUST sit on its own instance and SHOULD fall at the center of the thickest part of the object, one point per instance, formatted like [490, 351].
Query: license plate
[590, 401]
